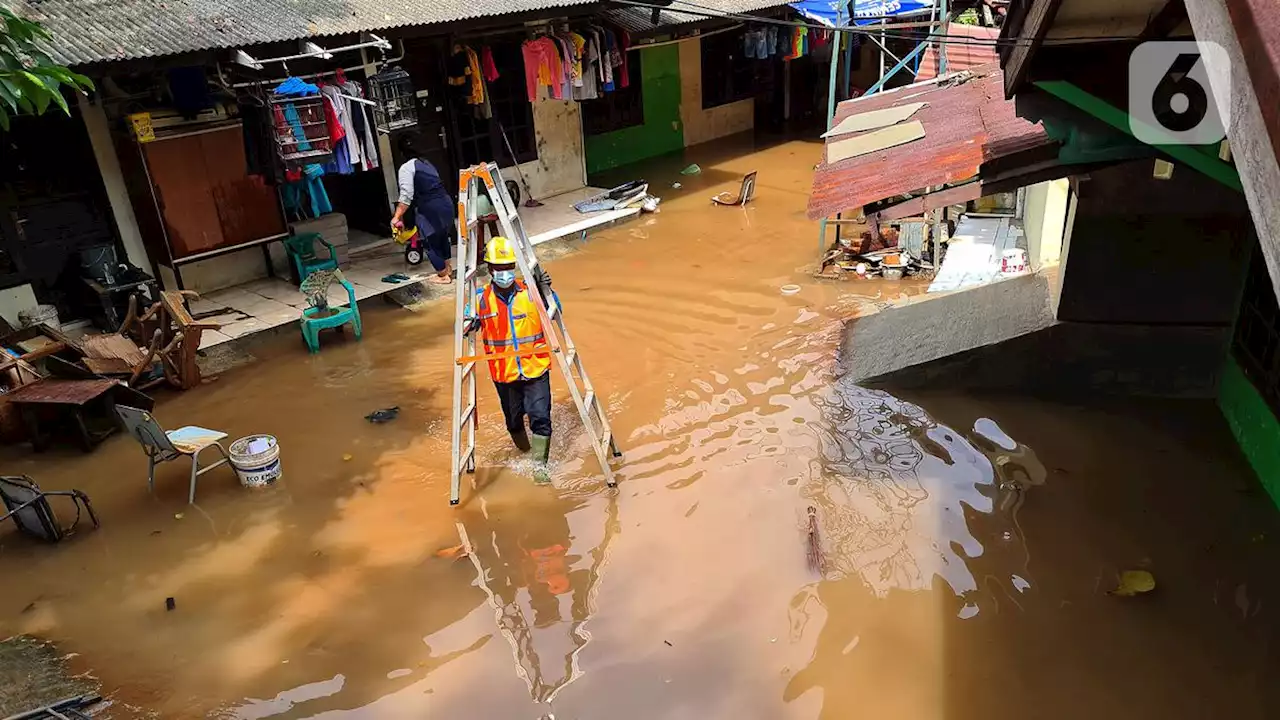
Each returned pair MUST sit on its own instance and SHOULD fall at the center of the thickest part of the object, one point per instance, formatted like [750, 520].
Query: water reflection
[891, 485]
[539, 559]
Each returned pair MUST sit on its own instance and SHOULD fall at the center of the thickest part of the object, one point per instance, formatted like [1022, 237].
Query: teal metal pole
[835, 66]
[901, 64]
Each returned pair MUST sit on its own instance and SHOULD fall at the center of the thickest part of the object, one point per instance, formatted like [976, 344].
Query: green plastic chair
[302, 249]
[312, 324]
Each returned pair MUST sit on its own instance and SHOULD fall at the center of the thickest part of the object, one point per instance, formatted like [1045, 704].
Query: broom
[530, 201]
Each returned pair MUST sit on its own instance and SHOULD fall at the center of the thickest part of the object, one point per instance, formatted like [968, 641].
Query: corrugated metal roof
[639, 20]
[961, 54]
[966, 124]
[94, 30]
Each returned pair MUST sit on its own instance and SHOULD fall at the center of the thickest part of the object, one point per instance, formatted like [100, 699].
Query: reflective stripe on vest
[512, 327]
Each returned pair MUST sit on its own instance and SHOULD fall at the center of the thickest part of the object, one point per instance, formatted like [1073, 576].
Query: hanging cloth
[487, 64]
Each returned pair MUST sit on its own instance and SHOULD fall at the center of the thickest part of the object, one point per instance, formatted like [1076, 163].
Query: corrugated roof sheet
[961, 53]
[965, 124]
[94, 30]
[638, 20]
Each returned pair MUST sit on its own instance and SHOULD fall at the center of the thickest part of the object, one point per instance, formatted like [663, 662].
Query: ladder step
[468, 368]
[466, 415]
[590, 398]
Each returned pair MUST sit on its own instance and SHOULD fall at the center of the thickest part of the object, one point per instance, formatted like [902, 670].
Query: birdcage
[301, 132]
[392, 91]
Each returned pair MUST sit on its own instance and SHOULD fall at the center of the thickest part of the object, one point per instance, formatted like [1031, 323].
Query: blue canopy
[824, 11]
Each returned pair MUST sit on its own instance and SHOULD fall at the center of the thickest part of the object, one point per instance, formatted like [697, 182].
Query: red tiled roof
[961, 54]
[965, 125]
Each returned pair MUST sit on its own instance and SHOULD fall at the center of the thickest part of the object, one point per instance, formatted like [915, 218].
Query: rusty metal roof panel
[87, 31]
[968, 47]
[965, 125]
[639, 20]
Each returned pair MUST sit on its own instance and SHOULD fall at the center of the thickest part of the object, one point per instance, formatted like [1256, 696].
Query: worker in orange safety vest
[509, 322]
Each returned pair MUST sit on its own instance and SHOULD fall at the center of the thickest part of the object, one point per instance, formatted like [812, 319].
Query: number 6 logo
[1179, 93]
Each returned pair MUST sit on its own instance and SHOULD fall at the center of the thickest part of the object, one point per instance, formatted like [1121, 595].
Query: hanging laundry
[624, 45]
[487, 64]
[362, 125]
[542, 67]
[590, 69]
[474, 77]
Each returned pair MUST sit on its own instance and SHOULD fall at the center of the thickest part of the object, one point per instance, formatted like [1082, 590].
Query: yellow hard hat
[500, 252]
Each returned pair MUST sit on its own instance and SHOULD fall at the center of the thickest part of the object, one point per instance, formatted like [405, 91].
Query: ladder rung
[466, 415]
[466, 460]
[590, 398]
[571, 357]
[468, 368]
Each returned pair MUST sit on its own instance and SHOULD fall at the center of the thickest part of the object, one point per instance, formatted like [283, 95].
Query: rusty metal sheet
[965, 125]
[971, 47]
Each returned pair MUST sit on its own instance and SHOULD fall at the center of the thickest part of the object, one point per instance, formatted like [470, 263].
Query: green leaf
[7, 96]
[15, 85]
[39, 91]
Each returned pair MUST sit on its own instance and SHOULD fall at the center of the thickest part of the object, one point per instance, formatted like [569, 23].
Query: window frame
[729, 69]
[479, 140]
[618, 110]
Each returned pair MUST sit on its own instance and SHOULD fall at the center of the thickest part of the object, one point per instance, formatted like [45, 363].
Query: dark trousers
[439, 247]
[527, 397]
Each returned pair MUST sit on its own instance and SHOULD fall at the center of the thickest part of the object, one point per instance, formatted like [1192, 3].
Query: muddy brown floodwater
[965, 545]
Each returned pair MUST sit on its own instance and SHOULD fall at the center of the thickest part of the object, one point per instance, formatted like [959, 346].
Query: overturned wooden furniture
[165, 335]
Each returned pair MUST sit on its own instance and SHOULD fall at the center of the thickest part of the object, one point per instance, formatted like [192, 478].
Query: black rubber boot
[521, 439]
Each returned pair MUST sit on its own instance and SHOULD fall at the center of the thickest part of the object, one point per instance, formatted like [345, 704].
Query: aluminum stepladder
[467, 360]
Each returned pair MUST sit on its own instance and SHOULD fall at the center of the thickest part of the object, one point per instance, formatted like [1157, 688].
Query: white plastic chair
[161, 446]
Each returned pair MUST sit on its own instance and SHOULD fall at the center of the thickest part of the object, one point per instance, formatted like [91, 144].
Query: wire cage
[301, 131]
[392, 91]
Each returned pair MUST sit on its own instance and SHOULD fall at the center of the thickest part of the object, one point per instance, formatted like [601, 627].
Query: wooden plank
[61, 392]
[1031, 35]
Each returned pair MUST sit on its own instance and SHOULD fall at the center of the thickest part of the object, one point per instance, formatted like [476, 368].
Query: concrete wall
[702, 125]
[935, 326]
[104, 151]
[1044, 217]
[561, 164]
[1251, 142]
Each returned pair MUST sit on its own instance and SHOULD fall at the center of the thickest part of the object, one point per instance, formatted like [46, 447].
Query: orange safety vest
[517, 326]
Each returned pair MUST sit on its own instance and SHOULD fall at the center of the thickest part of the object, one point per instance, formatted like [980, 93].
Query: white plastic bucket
[1013, 261]
[47, 314]
[256, 469]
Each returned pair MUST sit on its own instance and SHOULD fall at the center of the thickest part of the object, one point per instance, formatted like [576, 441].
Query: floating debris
[692, 170]
[1134, 582]
[383, 415]
[814, 551]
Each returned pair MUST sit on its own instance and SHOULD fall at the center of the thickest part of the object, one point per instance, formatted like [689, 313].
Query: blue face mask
[504, 278]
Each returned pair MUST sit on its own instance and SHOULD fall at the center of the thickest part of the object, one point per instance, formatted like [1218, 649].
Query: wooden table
[69, 397]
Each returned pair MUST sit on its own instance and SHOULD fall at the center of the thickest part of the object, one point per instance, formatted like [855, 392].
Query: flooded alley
[782, 543]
